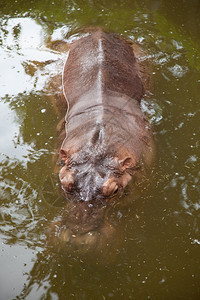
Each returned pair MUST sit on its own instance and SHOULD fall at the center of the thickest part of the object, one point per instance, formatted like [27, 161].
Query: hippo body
[106, 139]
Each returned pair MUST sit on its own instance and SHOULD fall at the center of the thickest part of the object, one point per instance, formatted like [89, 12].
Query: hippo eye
[67, 182]
[110, 188]
[70, 187]
[115, 190]
[62, 163]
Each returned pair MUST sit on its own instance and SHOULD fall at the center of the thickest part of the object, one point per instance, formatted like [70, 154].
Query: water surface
[159, 257]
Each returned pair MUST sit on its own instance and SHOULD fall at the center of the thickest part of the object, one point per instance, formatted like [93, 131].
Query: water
[159, 257]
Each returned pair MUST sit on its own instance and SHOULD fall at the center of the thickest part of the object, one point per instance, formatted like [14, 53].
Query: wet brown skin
[106, 140]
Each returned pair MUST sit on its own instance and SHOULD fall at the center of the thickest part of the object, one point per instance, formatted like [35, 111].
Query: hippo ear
[64, 155]
[125, 163]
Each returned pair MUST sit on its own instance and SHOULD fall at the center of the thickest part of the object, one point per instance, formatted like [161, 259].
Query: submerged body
[107, 139]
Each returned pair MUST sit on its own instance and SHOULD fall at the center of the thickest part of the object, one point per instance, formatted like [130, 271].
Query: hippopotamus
[106, 140]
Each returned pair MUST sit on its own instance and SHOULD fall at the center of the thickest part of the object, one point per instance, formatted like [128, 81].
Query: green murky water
[159, 257]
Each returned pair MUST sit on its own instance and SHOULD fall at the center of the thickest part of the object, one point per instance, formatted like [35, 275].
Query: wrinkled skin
[93, 179]
[106, 140]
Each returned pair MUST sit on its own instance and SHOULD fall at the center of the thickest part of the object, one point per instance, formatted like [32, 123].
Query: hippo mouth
[83, 226]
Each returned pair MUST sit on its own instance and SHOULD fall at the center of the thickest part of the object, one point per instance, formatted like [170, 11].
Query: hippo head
[88, 176]
[92, 179]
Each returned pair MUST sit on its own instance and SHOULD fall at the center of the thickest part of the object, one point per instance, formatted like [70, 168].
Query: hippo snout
[83, 226]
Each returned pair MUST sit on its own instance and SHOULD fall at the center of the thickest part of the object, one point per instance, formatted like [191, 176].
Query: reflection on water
[159, 255]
